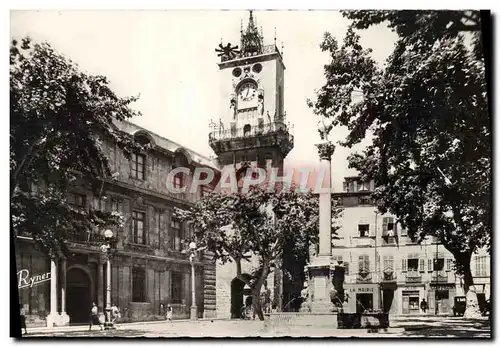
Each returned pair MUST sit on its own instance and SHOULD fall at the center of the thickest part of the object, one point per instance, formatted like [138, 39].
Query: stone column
[64, 316]
[320, 282]
[100, 289]
[53, 317]
[325, 200]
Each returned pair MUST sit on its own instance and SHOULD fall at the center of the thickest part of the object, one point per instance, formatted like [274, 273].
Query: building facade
[251, 132]
[386, 270]
[148, 266]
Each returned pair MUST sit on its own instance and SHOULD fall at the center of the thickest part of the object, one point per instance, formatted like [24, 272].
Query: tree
[59, 120]
[238, 226]
[427, 109]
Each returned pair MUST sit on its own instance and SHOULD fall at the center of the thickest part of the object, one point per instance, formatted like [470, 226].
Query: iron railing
[413, 277]
[218, 133]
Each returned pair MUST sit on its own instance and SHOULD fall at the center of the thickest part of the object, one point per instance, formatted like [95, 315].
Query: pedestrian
[94, 317]
[423, 305]
[169, 312]
[115, 314]
[23, 318]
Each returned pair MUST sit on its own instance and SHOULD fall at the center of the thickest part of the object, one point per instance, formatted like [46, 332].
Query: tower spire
[251, 39]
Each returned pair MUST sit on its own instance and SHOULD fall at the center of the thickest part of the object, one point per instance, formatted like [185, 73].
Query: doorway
[364, 302]
[442, 301]
[387, 299]
[78, 296]
[237, 303]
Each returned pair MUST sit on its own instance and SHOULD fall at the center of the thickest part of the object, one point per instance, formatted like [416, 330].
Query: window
[364, 264]
[246, 130]
[138, 284]
[178, 179]
[138, 166]
[138, 219]
[116, 205]
[364, 200]
[99, 203]
[363, 230]
[413, 264]
[176, 285]
[439, 264]
[176, 235]
[363, 186]
[77, 200]
[481, 266]
[449, 264]
[205, 190]
[422, 265]
[346, 187]
[388, 262]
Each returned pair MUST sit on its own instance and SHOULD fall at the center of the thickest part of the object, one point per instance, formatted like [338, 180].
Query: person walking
[424, 306]
[94, 317]
[23, 318]
[169, 312]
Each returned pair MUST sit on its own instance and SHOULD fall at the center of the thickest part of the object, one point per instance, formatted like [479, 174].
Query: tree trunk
[257, 288]
[472, 305]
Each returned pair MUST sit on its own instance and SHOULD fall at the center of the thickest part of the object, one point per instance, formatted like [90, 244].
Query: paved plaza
[401, 327]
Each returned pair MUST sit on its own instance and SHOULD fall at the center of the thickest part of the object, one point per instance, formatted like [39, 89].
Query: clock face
[247, 92]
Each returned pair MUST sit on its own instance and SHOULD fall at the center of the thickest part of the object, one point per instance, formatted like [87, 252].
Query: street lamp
[192, 249]
[106, 248]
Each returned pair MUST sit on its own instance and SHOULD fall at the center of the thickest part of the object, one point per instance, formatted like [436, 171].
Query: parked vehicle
[459, 306]
[487, 308]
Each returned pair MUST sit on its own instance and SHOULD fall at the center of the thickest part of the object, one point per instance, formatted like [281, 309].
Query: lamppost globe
[108, 234]
[192, 246]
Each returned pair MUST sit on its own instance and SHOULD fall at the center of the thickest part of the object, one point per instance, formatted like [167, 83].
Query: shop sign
[361, 290]
[24, 279]
[412, 288]
[442, 286]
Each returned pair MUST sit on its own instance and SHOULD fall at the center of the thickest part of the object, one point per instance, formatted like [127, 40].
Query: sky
[167, 57]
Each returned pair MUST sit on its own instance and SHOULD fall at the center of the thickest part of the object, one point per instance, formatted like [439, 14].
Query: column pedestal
[320, 284]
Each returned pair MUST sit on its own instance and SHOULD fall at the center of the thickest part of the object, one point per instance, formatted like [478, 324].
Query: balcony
[93, 238]
[363, 276]
[363, 242]
[267, 49]
[219, 133]
[277, 133]
[441, 276]
[389, 276]
[413, 277]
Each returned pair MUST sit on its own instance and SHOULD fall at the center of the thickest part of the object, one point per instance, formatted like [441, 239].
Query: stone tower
[252, 129]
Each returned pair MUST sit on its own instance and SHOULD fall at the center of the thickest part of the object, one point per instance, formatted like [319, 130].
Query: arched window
[246, 130]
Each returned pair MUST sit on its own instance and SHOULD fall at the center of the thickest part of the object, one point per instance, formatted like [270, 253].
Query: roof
[169, 145]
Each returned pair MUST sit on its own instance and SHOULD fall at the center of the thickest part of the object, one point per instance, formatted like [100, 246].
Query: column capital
[325, 150]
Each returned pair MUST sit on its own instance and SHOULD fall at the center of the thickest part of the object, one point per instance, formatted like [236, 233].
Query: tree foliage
[239, 226]
[427, 109]
[59, 118]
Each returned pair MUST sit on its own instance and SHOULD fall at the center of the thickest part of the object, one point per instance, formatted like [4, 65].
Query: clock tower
[251, 130]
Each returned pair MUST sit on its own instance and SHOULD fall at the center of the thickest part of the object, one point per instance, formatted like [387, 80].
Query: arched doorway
[78, 297]
[237, 303]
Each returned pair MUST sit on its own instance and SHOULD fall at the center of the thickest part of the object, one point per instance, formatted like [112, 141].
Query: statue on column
[232, 108]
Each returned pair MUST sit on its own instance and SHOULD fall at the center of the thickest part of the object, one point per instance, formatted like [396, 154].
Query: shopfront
[441, 298]
[411, 297]
[362, 297]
